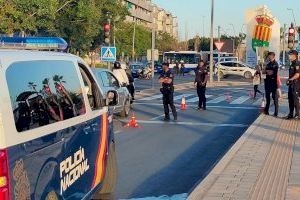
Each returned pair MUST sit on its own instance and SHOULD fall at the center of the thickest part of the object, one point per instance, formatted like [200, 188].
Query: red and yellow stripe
[101, 154]
[262, 33]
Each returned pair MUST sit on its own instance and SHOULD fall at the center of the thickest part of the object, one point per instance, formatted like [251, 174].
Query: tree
[165, 42]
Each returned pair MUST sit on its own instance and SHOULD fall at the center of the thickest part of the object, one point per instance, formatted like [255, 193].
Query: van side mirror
[112, 98]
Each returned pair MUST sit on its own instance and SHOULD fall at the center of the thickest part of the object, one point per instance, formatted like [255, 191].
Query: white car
[235, 68]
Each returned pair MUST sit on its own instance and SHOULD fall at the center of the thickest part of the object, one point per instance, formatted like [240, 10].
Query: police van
[56, 136]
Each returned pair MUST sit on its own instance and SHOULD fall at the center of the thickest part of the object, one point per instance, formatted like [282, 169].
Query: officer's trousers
[293, 101]
[271, 91]
[168, 100]
[201, 94]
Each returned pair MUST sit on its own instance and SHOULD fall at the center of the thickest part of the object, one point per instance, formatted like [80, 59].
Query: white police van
[56, 137]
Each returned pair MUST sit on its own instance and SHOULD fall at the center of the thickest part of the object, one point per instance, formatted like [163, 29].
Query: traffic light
[106, 29]
[291, 37]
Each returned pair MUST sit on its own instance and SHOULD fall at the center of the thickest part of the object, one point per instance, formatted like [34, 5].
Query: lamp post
[211, 77]
[233, 28]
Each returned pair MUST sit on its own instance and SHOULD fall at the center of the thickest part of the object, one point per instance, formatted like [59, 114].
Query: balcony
[142, 15]
[142, 3]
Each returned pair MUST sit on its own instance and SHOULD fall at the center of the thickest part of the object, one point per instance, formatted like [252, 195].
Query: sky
[191, 13]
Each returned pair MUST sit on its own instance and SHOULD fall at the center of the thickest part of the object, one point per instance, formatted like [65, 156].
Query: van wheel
[51, 196]
[126, 109]
[110, 179]
[248, 75]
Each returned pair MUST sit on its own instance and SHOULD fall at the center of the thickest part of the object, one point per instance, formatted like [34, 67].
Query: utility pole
[133, 39]
[283, 44]
[211, 75]
[219, 40]
[152, 56]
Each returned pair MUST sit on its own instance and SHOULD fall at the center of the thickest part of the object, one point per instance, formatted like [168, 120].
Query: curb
[202, 187]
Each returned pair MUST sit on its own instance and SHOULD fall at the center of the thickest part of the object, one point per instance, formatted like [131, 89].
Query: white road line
[240, 100]
[258, 102]
[182, 95]
[164, 197]
[193, 123]
[195, 99]
[190, 105]
[218, 99]
[151, 97]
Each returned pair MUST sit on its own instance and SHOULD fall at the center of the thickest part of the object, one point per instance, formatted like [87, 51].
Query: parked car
[107, 82]
[136, 69]
[235, 68]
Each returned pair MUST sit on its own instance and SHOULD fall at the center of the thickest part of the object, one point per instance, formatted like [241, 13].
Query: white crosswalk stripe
[178, 97]
[240, 100]
[218, 99]
[152, 97]
[258, 102]
[196, 99]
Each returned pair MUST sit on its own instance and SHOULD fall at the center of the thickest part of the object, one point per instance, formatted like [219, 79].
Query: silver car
[107, 82]
[235, 68]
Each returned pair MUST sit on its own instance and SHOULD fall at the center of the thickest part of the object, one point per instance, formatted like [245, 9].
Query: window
[44, 92]
[229, 64]
[109, 80]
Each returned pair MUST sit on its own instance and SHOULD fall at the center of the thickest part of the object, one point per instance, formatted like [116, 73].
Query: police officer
[166, 79]
[271, 72]
[293, 82]
[200, 83]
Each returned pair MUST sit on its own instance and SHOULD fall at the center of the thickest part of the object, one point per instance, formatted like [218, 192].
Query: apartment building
[145, 13]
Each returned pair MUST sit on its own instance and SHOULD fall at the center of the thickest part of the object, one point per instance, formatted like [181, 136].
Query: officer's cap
[271, 53]
[165, 64]
[293, 52]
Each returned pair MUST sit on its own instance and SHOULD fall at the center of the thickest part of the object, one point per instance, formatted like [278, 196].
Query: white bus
[189, 58]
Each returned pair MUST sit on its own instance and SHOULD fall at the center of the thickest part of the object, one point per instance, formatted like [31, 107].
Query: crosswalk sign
[108, 54]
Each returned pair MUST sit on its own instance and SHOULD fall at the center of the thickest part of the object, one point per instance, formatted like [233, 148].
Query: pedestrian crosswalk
[211, 99]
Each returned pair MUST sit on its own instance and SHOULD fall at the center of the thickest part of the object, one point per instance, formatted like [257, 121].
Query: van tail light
[4, 176]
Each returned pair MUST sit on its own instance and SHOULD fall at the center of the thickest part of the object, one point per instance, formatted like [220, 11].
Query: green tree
[165, 42]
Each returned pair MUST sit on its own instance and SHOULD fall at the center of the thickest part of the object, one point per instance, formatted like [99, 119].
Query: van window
[44, 92]
[93, 93]
[109, 80]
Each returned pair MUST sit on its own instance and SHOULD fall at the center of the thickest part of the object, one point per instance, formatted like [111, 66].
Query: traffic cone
[263, 105]
[132, 123]
[183, 104]
[251, 94]
[228, 97]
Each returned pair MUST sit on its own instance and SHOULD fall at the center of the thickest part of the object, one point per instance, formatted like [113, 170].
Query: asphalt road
[170, 158]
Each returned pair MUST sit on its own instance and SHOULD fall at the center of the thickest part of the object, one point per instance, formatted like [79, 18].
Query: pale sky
[190, 13]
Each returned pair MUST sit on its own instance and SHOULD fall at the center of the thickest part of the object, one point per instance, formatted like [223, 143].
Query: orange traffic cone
[228, 97]
[183, 104]
[262, 105]
[132, 123]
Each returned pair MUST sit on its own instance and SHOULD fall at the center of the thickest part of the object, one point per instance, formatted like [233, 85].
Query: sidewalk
[264, 164]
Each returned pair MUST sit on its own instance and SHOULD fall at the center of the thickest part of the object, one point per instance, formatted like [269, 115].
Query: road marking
[195, 99]
[225, 107]
[240, 100]
[218, 99]
[258, 102]
[182, 95]
[151, 97]
[164, 197]
[193, 123]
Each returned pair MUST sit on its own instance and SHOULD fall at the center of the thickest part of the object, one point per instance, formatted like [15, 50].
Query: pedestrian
[130, 86]
[176, 68]
[182, 69]
[167, 90]
[293, 83]
[271, 72]
[279, 85]
[200, 83]
[120, 74]
[256, 83]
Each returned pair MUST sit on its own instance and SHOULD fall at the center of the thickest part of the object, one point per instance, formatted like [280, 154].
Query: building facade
[145, 13]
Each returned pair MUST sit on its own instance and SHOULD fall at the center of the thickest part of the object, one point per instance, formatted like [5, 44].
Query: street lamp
[292, 10]
[211, 58]
[233, 28]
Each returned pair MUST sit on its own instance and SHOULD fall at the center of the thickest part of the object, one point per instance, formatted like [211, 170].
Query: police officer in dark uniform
[271, 72]
[293, 83]
[167, 90]
[200, 83]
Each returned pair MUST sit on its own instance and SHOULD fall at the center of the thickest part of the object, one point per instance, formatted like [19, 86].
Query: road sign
[108, 54]
[219, 45]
